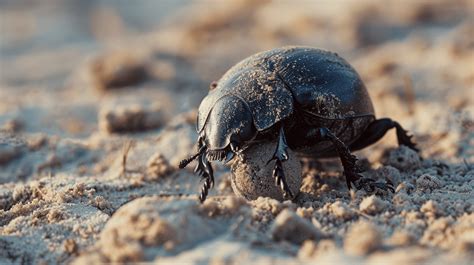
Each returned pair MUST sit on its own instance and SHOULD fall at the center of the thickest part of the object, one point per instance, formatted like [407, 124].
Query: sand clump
[404, 158]
[158, 167]
[413, 255]
[117, 70]
[150, 227]
[362, 238]
[342, 210]
[11, 147]
[126, 236]
[431, 209]
[427, 182]
[131, 118]
[269, 205]
[254, 178]
[372, 205]
[389, 173]
[291, 227]
[311, 250]
[51, 226]
[9, 152]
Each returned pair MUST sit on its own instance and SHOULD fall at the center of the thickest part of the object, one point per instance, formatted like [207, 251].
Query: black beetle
[311, 99]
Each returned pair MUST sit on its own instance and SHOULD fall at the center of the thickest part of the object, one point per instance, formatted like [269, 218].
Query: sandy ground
[92, 131]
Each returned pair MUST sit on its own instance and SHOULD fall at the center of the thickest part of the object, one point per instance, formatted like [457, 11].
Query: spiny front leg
[205, 171]
[208, 184]
[280, 180]
[201, 150]
[280, 156]
[351, 171]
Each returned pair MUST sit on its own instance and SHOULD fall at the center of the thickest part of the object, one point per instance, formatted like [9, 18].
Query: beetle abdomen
[323, 83]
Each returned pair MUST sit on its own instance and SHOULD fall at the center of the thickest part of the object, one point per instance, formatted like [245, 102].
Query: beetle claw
[404, 138]
[280, 180]
[205, 171]
[280, 156]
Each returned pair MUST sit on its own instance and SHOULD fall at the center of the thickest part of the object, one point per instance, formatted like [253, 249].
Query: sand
[92, 129]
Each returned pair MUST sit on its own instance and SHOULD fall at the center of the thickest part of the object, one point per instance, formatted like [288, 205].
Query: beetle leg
[205, 171]
[351, 171]
[236, 151]
[208, 181]
[201, 148]
[377, 129]
[403, 137]
[280, 180]
[188, 160]
[280, 156]
[348, 160]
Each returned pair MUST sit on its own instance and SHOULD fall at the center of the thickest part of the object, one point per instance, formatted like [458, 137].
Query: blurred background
[98, 103]
[72, 68]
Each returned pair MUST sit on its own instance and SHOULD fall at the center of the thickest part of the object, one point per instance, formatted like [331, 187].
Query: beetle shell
[324, 84]
[319, 82]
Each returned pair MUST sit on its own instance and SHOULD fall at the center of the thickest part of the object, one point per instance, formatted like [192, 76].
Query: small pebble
[342, 210]
[430, 209]
[428, 182]
[117, 69]
[158, 167]
[131, 118]
[404, 158]
[372, 205]
[362, 238]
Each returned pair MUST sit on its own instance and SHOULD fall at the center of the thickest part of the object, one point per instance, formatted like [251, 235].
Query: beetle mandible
[311, 99]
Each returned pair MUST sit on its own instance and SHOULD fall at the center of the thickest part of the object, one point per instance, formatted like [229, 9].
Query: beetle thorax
[230, 121]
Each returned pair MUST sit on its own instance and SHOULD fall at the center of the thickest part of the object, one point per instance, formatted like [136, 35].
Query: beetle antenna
[188, 160]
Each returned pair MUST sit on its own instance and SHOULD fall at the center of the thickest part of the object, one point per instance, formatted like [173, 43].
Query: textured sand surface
[97, 110]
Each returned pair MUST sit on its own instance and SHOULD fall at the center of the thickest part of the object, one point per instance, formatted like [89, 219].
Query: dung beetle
[311, 99]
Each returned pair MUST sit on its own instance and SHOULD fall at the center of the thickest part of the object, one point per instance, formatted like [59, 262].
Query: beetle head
[228, 127]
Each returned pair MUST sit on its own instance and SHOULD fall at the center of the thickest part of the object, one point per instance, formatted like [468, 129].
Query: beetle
[311, 99]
